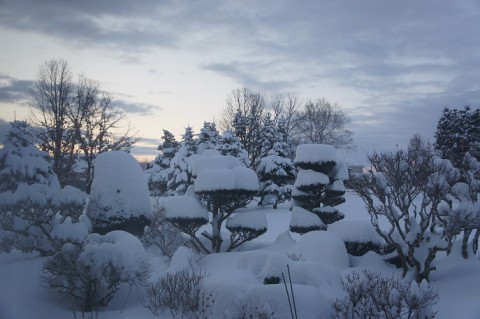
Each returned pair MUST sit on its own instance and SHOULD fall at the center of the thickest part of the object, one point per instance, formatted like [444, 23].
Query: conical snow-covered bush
[120, 199]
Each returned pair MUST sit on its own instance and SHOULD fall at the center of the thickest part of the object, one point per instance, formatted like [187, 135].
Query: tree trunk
[466, 235]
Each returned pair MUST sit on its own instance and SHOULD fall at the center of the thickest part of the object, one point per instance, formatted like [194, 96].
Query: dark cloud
[15, 91]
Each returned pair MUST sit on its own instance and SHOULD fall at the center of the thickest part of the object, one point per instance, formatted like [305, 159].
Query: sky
[392, 65]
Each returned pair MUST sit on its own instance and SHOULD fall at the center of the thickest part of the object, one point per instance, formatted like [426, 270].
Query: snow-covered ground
[317, 262]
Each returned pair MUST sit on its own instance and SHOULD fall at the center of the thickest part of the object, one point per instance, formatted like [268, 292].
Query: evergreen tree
[318, 187]
[230, 145]
[208, 138]
[181, 176]
[458, 132]
[31, 200]
[160, 172]
[275, 168]
[247, 128]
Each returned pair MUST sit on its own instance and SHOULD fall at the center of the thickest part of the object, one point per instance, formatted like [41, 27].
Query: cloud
[15, 91]
[136, 108]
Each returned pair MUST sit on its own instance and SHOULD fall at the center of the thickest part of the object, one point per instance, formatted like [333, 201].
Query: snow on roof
[304, 218]
[308, 177]
[239, 178]
[184, 207]
[119, 187]
[213, 160]
[252, 220]
[356, 231]
[314, 153]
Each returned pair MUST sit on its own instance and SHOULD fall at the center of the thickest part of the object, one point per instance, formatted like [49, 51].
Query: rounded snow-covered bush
[119, 199]
[245, 227]
[89, 274]
[186, 213]
[303, 221]
[359, 237]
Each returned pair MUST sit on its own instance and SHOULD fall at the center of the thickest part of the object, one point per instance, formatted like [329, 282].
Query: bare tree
[285, 106]
[52, 101]
[95, 119]
[324, 123]
[76, 117]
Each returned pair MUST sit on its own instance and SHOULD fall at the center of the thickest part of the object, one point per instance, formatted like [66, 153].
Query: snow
[304, 218]
[356, 231]
[184, 207]
[239, 178]
[119, 187]
[314, 153]
[213, 160]
[73, 232]
[251, 220]
[308, 177]
[337, 186]
[323, 247]
[237, 277]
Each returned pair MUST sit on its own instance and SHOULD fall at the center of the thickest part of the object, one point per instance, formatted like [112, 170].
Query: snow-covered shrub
[31, 200]
[461, 213]
[119, 199]
[89, 274]
[162, 234]
[187, 214]
[181, 294]
[405, 189]
[359, 237]
[370, 295]
[303, 221]
[252, 309]
[245, 227]
[318, 187]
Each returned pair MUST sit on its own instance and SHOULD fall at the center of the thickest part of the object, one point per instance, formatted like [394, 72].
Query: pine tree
[31, 200]
[458, 132]
[318, 187]
[160, 172]
[275, 168]
[208, 138]
[230, 145]
[181, 176]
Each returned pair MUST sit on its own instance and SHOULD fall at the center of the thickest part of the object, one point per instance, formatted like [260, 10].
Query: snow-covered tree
[208, 138]
[181, 176]
[222, 185]
[160, 172]
[405, 188]
[275, 168]
[119, 199]
[461, 212]
[31, 200]
[230, 145]
[318, 187]
[458, 132]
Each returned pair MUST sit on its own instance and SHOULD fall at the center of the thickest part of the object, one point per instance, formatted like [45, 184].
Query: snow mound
[314, 153]
[303, 218]
[251, 220]
[119, 188]
[356, 231]
[239, 178]
[323, 247]
[184, 207]
[182, 259]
